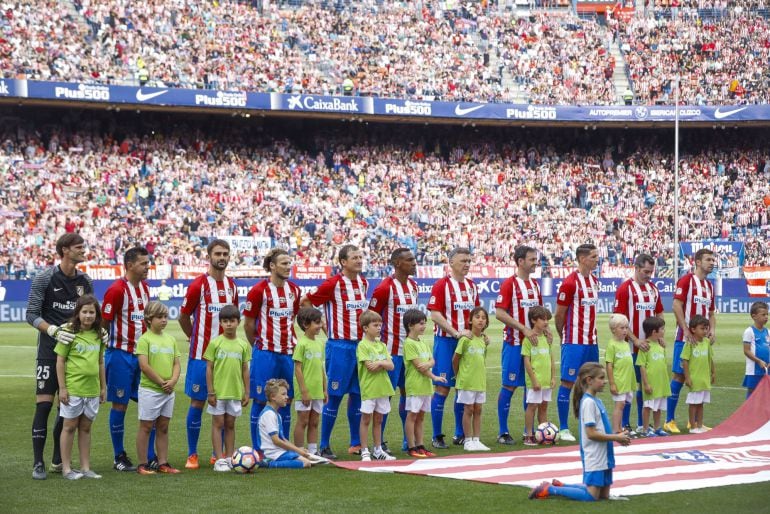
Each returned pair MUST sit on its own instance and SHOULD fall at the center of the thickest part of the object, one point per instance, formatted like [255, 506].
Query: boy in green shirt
[699, 371]
[620, 369]
[82, 384]
[470, 370]
[541, 374]
[311, 378]
[656, 386]
[227, 379]
[418, 358]
[159, 361]
[374, 362]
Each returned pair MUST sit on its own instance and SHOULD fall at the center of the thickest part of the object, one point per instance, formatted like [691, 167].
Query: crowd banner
[366, 105]
[729, 254]
[757, 280]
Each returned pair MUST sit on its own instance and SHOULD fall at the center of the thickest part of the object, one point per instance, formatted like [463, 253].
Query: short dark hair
[345, 251]
[652, 324]
[398, 254]
[643, 259]
[132, 254]
[538, 312]
[698, 321]
[306, 316]
[476, 310]
[272, 256]
[756, 307]
[67, 240]
[521, 253]
[584, 250]
[217, 242]
[702, 252]
[413, 317]
[230, 311]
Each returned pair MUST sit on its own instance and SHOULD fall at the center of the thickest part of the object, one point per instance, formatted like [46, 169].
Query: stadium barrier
[732, 294]
[240, 102]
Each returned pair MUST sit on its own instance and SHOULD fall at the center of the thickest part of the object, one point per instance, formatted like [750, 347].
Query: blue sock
[459, 410]
[524, 401]
[354, 418]
[151, 456]
[437, 413]
[562, 404]
[626, 414]
[328, 418]
[117, 427]
[256, 410]
[286, 464]
[402, 414]
[503, 409]
[194, 415]
[573, 492]
[639, 407]
[673, 400]
[384, 423]
[748, 393]
[285, 413]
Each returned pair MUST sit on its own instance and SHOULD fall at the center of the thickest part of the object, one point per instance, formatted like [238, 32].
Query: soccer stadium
[367, 142]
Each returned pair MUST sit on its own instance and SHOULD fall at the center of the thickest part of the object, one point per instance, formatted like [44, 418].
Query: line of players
[273, 303]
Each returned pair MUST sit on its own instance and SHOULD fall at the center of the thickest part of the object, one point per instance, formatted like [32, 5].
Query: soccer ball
[245, 459]
[546, 433]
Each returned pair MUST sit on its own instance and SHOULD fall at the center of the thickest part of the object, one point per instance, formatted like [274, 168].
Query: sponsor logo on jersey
[214, 307]
[280, 313]
[701, 300]
[309, 355]
[463, 306]
[156, 349]
[529, 303]
[401, 309]
[224, 354]
[356, 305]
[645, 306]
[82, 347]
[137, 316]
[588, 302]
[65, 306]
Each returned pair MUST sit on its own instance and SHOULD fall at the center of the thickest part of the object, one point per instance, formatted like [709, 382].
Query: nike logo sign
[143, 97]
[463, 111]
[57, 289]
[720, 114]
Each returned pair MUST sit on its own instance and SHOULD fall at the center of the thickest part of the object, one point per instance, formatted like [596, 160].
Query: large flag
[735, 452]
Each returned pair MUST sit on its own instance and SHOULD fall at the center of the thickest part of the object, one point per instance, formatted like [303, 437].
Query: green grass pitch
[320, 489]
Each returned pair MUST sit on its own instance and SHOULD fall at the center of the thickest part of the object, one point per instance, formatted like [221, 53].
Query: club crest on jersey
[335, 385]
[259, 389]
[41, 384]
[223, 293]
[442, 375]
[120, 393]
[196, 388]
[571, 371]
[511, 376]
[290, 296]
[80, 290]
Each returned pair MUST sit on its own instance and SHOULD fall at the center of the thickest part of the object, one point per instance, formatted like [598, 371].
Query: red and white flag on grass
[735, 452]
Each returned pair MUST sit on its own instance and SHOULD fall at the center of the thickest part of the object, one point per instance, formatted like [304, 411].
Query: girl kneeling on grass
[596, 440]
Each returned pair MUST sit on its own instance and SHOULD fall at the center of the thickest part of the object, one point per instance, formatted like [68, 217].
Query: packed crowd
[720, 61]
[422, 50]
[375, 187]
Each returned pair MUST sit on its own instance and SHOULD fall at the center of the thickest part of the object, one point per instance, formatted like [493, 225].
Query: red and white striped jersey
[204, 299]
[637, 302]
[274, 309]
[344, 300]
[123, 307]
[698, 298]
[391, 299]
[455, 301]
[516, 297]
[580, 295]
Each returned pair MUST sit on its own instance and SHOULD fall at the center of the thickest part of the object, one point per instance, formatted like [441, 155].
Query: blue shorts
[122, 370]
[751, 381]
[341, 367]
[637, 370]
[195, 380]
[512, 365]
[443, 352]
[575, 355]
[598, 478]
[676, 362]
[398, 373]
[266, 365]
